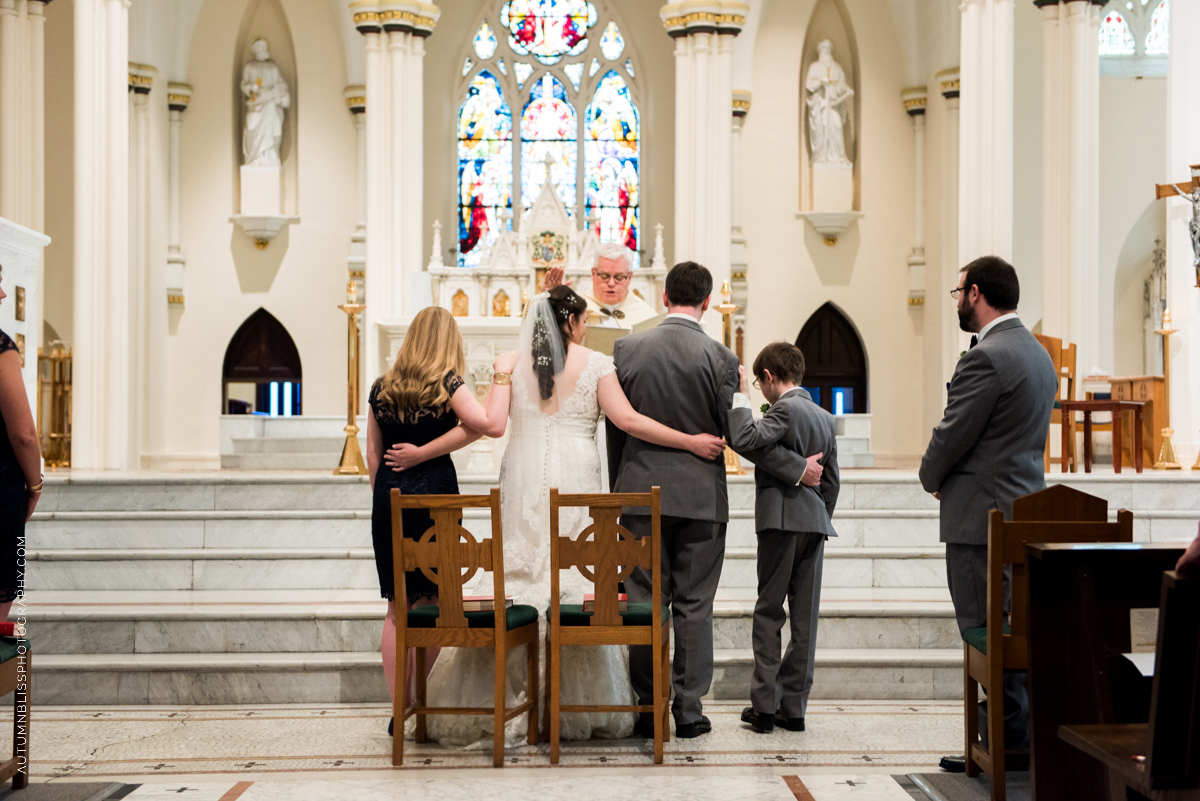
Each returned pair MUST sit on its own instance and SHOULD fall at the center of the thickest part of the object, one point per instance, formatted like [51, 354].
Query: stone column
[102, 391]
[704, 137]
[178, 97]
[1183, 297]
[1070, 179]
[22, 112]
[986, 130]
[914, 101]
[394, 34]
[948, 83]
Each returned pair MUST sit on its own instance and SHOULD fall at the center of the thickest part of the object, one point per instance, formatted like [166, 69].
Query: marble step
[354, 568]
[246, 628]
[282, 445]
[308, 460]
[357, 677]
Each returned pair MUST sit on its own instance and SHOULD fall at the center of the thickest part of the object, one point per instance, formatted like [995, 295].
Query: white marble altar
[21, 312]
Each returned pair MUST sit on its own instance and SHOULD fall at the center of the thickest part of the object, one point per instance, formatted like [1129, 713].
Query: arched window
[1115, 38]
[484, 165]
[568, 68]
[1158, 39]
[835, 365]
[261, 374]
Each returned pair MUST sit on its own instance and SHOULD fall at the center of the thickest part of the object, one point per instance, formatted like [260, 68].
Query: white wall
[1027, 159]
[792, 272]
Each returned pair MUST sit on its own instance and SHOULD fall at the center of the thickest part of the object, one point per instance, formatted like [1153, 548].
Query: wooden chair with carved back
[456, 556]
[606, 553]
[1064, 366]
[1057, 514]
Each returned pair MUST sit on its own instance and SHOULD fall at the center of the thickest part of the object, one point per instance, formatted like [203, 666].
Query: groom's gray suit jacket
[678, 375]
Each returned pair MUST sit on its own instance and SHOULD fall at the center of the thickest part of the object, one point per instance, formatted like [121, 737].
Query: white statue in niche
[266, 97]
[828, 116]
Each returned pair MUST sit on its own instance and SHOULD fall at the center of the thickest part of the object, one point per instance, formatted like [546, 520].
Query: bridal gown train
[544, 451]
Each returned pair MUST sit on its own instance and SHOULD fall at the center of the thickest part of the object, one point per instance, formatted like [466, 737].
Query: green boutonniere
[962, 353]
[764, 408]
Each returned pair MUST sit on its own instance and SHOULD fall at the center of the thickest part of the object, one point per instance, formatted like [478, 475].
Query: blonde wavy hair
[432, 349]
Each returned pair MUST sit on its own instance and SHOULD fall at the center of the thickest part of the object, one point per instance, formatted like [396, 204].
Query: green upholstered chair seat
[977, 638]
[1057, 404]
[9, 647]
[517, 615]
[635, 615]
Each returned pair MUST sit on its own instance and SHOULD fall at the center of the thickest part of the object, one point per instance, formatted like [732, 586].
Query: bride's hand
[505, 362]
[706, 446]
[404, 456]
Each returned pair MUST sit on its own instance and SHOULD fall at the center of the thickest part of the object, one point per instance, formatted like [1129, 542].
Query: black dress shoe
[761, 722]
[644, 726]
[791, 724]
[686, 731]
[391, 725]
[953, 764]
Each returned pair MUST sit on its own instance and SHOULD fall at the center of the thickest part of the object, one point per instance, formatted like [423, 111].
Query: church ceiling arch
[834, 361]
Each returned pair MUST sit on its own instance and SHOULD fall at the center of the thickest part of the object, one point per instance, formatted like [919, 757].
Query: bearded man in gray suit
[679, 376]
[987, 450]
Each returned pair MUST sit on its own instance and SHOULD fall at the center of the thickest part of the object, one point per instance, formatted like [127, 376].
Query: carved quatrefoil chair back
[451, 556]
[606, 553]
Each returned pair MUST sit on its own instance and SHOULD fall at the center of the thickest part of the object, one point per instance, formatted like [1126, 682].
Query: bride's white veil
[540, 356]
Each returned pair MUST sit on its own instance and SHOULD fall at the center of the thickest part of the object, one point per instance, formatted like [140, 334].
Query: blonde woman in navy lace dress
[421, 398]
[20, 468]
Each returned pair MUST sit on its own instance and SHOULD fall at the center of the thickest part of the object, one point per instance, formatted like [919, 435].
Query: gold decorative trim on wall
[20, 313]
[20, 340]
[174, 300]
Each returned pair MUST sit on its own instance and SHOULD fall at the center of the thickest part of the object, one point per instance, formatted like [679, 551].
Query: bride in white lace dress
[560, 389]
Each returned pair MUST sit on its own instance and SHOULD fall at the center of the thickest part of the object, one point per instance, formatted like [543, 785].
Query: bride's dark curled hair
[566, 305]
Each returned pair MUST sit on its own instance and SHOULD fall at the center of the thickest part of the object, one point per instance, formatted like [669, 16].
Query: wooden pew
[1080, 597]
[1163, 755]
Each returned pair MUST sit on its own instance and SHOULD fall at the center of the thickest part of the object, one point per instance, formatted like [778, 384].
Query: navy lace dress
[13, 504]
[434, 477]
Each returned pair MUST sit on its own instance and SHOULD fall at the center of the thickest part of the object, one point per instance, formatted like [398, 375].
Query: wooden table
[1116, 408]
[1079, 602]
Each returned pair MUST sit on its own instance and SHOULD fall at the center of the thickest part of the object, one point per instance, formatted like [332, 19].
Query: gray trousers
[789, 566]
[966, 574]
[693, 552]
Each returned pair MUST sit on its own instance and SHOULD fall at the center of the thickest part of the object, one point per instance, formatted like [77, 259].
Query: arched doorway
[262, 372]
[835, 371]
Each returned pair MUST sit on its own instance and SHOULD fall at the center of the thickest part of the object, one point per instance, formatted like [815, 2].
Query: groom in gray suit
[679, 376]
[987, 450]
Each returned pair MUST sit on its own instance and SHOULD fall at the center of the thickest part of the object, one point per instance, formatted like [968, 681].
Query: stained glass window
[1115, 38]
[467, 66]
[611, 157]
[575, 73]
[1158, 40]
[629, 66]
[548, 29]
[503, 69]
[548, 128]
[612, 44]
[594, 68]
[485, 171]
[523, 72]
[485, 42]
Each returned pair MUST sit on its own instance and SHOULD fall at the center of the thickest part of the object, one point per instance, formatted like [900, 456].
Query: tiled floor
[343, 752]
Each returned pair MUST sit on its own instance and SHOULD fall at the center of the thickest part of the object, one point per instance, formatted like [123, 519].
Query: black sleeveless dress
[434, 477]
[13, 503]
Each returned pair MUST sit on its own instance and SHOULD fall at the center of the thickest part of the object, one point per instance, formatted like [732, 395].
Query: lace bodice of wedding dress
[545, 450]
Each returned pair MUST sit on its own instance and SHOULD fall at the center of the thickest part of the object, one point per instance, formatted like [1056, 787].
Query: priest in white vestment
[610, 303]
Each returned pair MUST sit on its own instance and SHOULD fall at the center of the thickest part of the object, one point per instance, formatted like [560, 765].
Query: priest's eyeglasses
[618, 278]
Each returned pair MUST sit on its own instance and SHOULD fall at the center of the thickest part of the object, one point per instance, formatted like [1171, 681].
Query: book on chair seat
[483, 603]
[589, 602]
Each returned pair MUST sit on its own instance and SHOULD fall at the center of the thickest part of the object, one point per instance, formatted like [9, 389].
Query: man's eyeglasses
[957, 293]
[618, 278]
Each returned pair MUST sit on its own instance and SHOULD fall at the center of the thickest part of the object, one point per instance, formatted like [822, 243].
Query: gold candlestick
[352, 459]
[733, 464]
[1166, 456]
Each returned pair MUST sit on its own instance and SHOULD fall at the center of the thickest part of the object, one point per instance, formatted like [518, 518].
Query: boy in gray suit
[793, 522]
